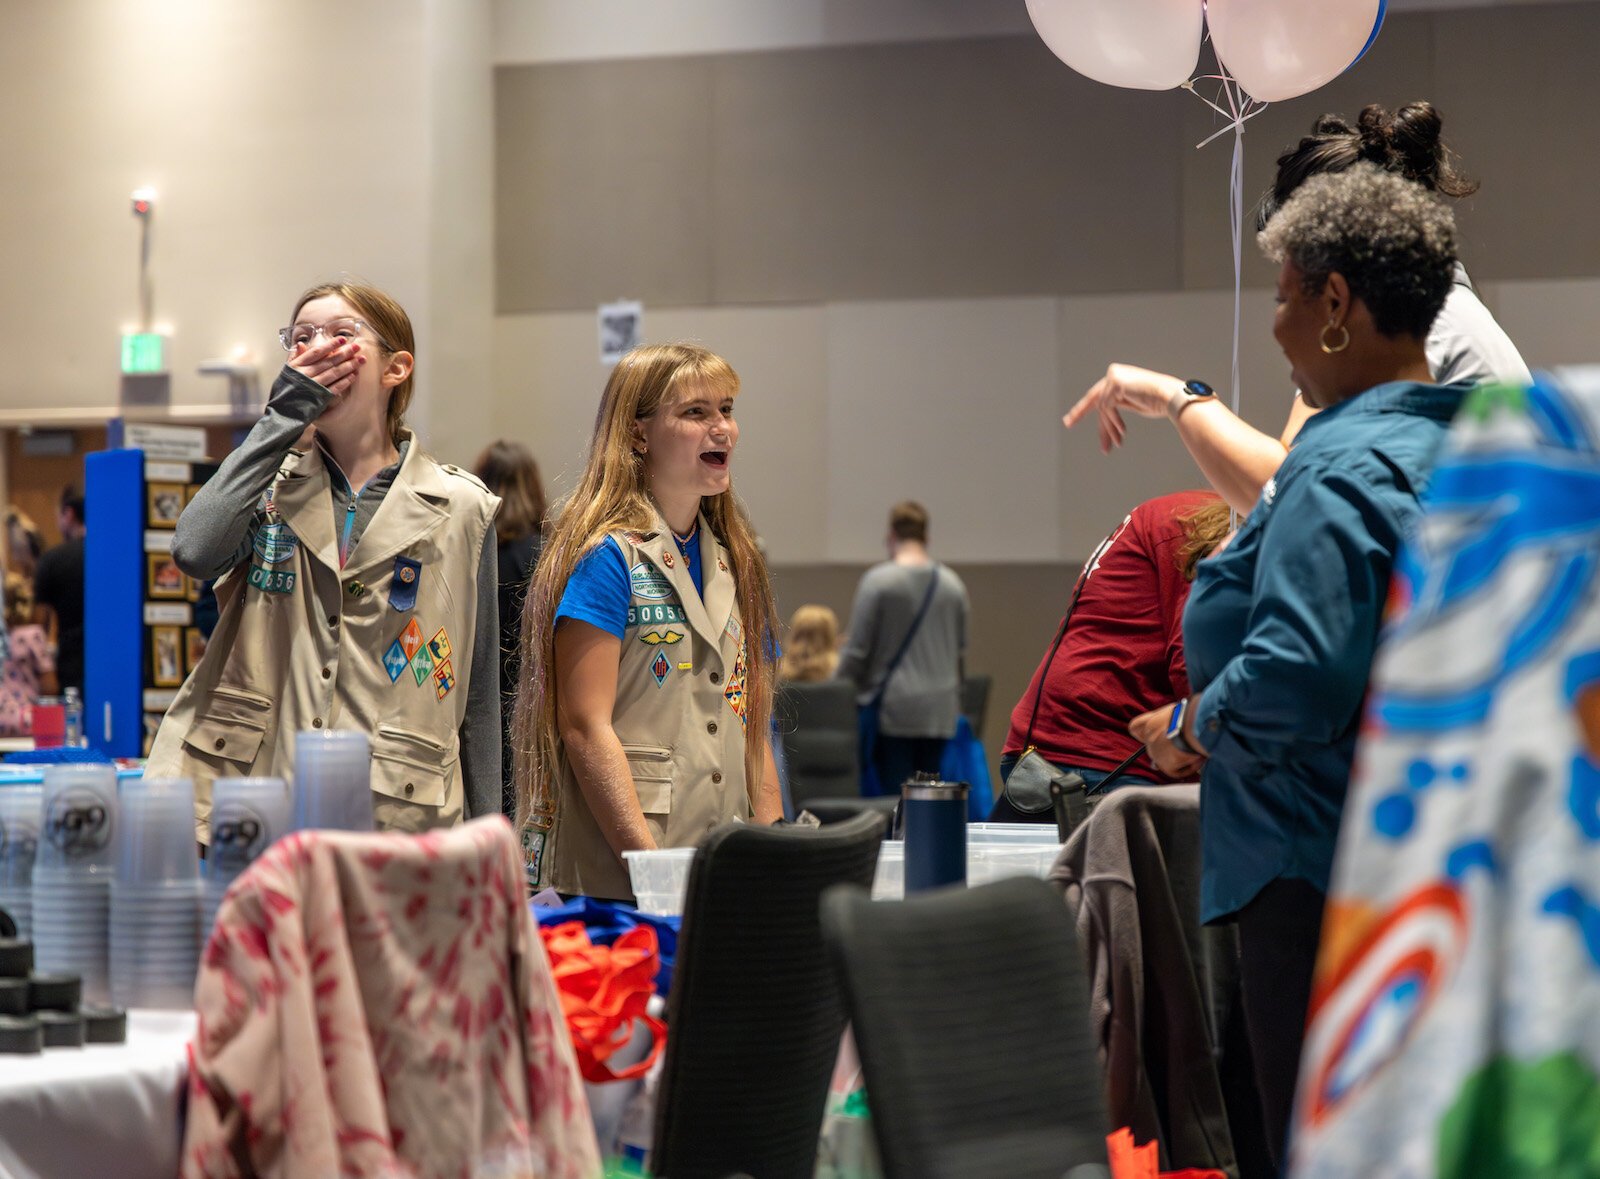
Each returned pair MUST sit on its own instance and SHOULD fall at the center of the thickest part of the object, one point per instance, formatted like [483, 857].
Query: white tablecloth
[104, 1109]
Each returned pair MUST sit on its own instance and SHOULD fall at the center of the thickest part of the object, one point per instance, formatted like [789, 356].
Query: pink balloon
[1279, 49]
[1142, 44]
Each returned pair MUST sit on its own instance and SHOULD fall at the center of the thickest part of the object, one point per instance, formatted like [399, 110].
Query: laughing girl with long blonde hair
[648, 640]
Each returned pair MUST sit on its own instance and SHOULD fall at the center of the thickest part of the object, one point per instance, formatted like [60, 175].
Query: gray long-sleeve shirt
[923, 698]
[218, 530]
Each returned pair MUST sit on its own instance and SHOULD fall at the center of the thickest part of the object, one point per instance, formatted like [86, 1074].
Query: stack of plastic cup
[19, 836]
[247, 814]
[155, 903]
[72, 871]
[332, 780]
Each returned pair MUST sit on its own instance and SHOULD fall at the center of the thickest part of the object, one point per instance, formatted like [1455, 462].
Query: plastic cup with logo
[19, 838]
[247, 816]
[935, 818]
[155, 905]
[332, 780]
[74, 860]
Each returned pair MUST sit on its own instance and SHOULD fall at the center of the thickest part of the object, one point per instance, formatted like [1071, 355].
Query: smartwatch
[1175, 728]
[1192, 391]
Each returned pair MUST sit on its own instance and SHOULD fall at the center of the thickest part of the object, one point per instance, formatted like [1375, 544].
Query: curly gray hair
[1393, 240]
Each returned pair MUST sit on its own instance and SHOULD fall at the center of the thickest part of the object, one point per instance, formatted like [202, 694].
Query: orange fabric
[1143, 1162]
[604, 991]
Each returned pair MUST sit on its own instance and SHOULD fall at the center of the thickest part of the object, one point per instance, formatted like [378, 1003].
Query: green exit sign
[141, 352]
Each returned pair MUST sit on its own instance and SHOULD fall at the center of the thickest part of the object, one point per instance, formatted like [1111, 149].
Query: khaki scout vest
[679, 715]
[302, 644]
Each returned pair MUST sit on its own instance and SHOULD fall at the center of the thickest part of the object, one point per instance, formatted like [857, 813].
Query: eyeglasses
[303, 335]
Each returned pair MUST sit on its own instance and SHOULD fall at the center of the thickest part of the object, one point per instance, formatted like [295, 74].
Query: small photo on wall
[164, 579]
[166, 503]
[194, 646]
[166, 656]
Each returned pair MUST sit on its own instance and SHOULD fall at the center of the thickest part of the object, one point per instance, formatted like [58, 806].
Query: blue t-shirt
[599, 591]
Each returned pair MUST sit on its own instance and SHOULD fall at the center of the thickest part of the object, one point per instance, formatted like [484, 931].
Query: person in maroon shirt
[1122, 653]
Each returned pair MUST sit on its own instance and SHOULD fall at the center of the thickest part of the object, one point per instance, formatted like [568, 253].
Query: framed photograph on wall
[166, 656]
[194, 646]
[163, 578]
[166, 502]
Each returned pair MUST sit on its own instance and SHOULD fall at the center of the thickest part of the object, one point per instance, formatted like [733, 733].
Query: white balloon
[1279, 49]
[1143, 44]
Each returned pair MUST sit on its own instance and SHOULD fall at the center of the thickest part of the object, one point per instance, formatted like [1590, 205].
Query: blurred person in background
[58, 591]
[508, 469]
[811, 649]
[29, 671]
[904, 653]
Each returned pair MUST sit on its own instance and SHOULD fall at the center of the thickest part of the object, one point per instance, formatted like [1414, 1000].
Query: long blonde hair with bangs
[611, 496]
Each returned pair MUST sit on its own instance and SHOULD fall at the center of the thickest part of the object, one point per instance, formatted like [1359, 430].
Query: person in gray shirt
[921, 699]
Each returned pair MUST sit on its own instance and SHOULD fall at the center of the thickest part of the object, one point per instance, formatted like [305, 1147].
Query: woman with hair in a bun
[1463, 344]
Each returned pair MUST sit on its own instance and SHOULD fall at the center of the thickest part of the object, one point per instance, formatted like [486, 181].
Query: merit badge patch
[444, 678]
[422, 665]
[271, 581]
[440, 646]
[660, 667]
[275, 543]
[403, 586]
[411, 638]
[735, 689]
[648, 583]
[394, 661]
[657, 638]
[734, 630]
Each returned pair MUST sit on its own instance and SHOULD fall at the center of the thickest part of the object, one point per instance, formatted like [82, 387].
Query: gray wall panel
[602, 184]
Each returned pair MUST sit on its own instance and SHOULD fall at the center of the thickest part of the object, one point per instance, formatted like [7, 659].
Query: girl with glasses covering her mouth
[356, 588]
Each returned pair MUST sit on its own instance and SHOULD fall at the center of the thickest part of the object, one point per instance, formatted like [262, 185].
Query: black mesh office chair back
[971, 1013]
[818, 722]
[755, 1016]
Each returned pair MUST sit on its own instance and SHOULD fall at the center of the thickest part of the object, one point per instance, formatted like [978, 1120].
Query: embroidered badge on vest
[648, 583]
[656, 638]
[444, 678]
[411, 638]
[275, 543]
[660, 667]
[422, 665]
[439, 645]
[394, 661]
[403, 585]
[735, 689]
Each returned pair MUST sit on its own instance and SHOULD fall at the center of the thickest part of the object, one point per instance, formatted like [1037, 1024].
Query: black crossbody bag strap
[905, 643]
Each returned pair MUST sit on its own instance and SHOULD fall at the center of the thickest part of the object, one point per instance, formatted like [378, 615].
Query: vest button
[410, 789]
[327, 673]
[221, 744]
[316, 722]
[712, 727]
[716, 776]
[716, 677]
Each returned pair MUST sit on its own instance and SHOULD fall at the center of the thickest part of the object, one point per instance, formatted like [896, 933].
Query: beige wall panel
[262, 189]
[548, 381]
[1552, 323]
[964, 169]
[950, 403]
[1189, 335]
[1521, 91]
[559, 30]
[603, 184]
[1398, 69]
